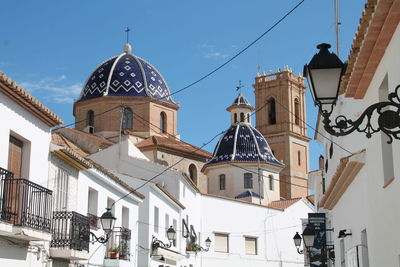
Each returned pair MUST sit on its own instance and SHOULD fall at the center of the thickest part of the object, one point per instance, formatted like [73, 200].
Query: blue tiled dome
[126, 75]
[240, 102]
[242, 142]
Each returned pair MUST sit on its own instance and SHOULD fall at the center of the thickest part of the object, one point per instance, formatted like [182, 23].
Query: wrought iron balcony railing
[70, 230]
[118, 246]
[24, 203]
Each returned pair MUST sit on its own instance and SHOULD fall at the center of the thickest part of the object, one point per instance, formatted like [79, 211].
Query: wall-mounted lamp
[107, 221]
[197, 248]
[324, 74]
[155, 244]
[344, 233]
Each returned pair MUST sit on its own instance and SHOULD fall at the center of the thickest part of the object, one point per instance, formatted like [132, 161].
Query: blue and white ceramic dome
[126, 75]
[240, 102]
[242, 142]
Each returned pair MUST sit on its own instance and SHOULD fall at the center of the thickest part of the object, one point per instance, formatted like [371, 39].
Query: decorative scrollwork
[101, 239]
[388, 113]
[155, 244]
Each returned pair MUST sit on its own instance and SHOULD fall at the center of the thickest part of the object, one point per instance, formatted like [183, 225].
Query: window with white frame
[125, 217]
[156, 218]
[250, 244]
[166, 224]
[61, 190]
[92, 208]
[175, 225]
[221, 242]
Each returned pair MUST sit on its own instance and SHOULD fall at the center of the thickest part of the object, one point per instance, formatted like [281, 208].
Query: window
[271, 182]
[125, 217]
[364, 248]
[298, 158]
[235, 117]
[248, 180]
[296, 112]
[342, 256]
[241, 117]
[271, 111]
[90, 121]
[250, 244]
[221, 243]
[248, 118]
[15, 148]
[222, 182]
[193, 172]
[127, 119]
[110, 205]
[167, 224]
[92, 208]
[163, 122]
[156, 217]
[175, 225]
[61, 190]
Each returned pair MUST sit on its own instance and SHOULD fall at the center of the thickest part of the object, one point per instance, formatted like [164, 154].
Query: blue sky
[51, 47]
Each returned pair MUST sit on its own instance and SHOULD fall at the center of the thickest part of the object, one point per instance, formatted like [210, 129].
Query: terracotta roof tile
[174, 145]
[105, 142]
[58, 139]
[26, 100]
[283, 204]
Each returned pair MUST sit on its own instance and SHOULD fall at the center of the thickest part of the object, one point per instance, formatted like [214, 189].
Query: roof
[244, 143]
[283, 204]
[126, 75]
[248, 193]
[171, 196]
[240, 102]
[239, 200]
[173, 145]
[27, 101]
[377, 25]
[70, 152]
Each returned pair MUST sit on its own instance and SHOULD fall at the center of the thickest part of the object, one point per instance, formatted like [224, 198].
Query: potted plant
[114, 252]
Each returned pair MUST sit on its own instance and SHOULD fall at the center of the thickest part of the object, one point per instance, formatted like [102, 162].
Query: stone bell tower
[281, 120]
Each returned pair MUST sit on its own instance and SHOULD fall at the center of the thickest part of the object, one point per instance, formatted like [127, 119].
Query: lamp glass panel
[326, 83]
[208, 242]
[297, 240]
[171, 234]
[308, 240]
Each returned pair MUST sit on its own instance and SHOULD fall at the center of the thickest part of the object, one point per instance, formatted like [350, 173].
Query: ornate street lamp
[324, 74]
[107, 221]
[155, 244]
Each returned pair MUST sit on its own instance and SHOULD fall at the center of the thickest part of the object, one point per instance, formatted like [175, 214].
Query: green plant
[114, 250]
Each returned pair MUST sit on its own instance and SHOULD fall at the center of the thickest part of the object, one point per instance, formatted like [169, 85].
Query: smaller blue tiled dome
[240, 102]
[242, 142]
[126, 75]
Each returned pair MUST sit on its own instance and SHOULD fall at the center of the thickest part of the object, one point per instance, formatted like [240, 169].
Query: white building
[362, 179]
[25, 200]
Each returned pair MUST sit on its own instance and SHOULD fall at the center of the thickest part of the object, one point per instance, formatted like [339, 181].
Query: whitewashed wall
[366, 204]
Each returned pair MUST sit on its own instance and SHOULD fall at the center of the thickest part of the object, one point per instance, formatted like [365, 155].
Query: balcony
[118, 247]
[25, 208]
[70, 235]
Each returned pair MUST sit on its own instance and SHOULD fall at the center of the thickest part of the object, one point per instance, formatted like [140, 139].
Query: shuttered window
[61, 190]
[221, 242]
[15, 156]
[250, 244]
[156, 218]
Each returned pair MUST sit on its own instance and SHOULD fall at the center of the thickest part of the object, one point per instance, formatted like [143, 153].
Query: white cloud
[210, 52]
[56, 89]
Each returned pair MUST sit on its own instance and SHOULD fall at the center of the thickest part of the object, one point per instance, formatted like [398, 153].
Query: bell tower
[281, 120]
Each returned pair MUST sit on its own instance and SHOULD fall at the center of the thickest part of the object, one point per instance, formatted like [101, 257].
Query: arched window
[90, 121]
[296, 112]
[271, 182]
[248, 118]
[271, 111]
[193, 172]
[298, 158]
[248, 180]
[163, 122]
[235, 117]
[241, 117]
[127, 119]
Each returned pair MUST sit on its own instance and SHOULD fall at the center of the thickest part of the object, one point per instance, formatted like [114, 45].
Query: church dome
[126, 75]
[242, 142]
[240, 102]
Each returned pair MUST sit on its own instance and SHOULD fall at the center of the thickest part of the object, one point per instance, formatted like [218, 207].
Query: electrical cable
[212, 71]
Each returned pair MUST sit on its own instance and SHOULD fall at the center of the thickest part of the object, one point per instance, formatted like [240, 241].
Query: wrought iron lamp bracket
[101, 239]
[388, 113]
[155, 244]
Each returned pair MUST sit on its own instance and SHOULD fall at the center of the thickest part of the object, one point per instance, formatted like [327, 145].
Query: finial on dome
[127, 46]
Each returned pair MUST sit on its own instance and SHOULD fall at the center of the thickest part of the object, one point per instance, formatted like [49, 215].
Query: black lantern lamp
[155, 244]
[324, 74]
[200, 248]
[297, 242]
[308, 237]
[208, 243]
[107, 221]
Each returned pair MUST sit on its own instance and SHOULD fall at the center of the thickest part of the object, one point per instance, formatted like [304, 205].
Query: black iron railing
[118, 246]
[23, 203]
[70, 230]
